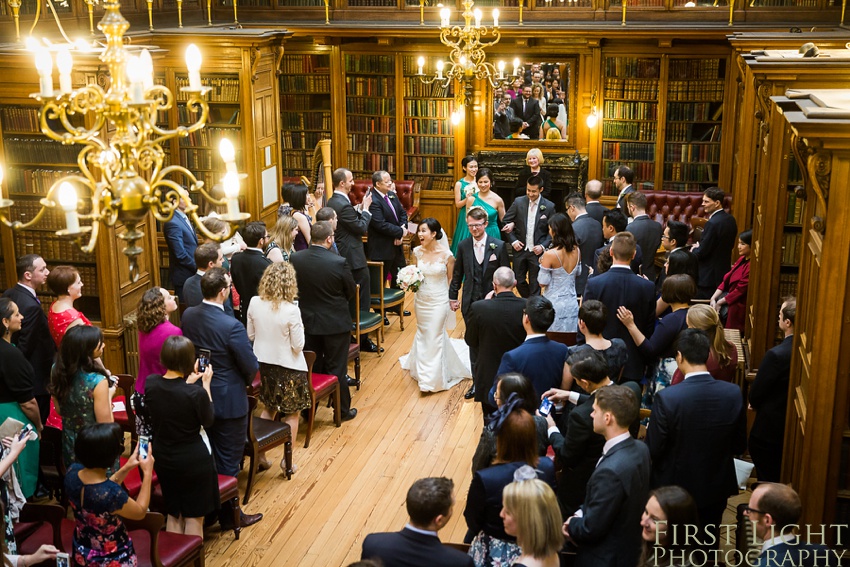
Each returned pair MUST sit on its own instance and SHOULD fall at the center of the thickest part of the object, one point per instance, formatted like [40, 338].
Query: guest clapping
[178, 409]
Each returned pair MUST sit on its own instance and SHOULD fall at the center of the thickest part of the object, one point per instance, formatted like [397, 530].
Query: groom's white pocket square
[492, 258]
[542, 217]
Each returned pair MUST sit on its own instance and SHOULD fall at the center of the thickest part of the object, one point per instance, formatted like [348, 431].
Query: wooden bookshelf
[630, 118]
[370, 105]
[428, 143]
[305, 109]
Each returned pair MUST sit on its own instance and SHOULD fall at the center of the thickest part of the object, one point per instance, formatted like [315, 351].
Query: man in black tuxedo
[527, 231]
[608, 531]
[623, 179]
[592, 193]
[527, 109]
[34, 338]
[387, 227]
[769, 396]
[647, 233]
[234, 367]
[620, 286]
[206, 256]
[247, 267]
[324, 307]
[576, 445]
[429, 505]
[182, 241]
[350, 228]
[714, 250]
[613, 223]
[493, 327]
[588, 232]
[695, 430]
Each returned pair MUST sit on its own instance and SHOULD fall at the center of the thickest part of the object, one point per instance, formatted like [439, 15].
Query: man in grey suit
[607, 531]
[588, 232]
[592, 193]
[623, 178]
[647, 233]
[351, 226]
[527, 231]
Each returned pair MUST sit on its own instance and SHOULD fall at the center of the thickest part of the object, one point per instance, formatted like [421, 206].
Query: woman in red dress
[65, 282]
[732, 291]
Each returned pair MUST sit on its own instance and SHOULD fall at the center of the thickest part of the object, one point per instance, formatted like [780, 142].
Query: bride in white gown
[435, 361]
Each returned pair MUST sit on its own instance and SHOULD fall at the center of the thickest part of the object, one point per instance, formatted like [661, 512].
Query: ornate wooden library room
[566, 265]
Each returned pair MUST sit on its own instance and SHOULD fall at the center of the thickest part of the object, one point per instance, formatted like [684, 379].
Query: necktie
[479, 252]
[390, 205]
[529, 231]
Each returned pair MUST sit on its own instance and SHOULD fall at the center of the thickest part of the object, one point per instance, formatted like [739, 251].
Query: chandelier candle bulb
[478, 15]
[147, 69]
[444, 17]
[501, 70]
[44, 66]
[496, 18]
[516, 65]
[64, 63]
[231, 193]
[193, 64]
[135, 75]
[440, 65]
[68, 202]
[421, 63]
[228, 154]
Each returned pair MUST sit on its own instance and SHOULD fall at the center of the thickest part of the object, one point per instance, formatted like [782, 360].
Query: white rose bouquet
[410, 278]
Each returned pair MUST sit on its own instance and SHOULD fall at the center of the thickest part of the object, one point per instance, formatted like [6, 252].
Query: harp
[320, 172]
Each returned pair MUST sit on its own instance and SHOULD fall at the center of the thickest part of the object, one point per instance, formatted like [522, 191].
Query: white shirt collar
[29, 289]
[200, 273]
[640, 216]
[689, 374]
[620, 266]
[420, 531]
[615, 441]
[260, 250]
[578, 216]
[375, 189]
[482, 240]
[338, 192]
[534, 336]
[181, 214]
[782, 538]
[213, 303]
[715, 212]
[589, 202]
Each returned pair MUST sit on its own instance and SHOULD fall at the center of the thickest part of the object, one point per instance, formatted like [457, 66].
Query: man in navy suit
[714, 250]
[775, 510]
[182, 241]
[537, 358]
[608, 532]
[620, 286]
[623, 179]
[206, 256]
[769, 397]
[647, 232]
[695, 430]
[493, 327]
[247, 266]
[429, 505]
[527, 109]
[527, 231]
[387, 227]
[588, 232]
[592, 193]
[234, 367]
[34, 338]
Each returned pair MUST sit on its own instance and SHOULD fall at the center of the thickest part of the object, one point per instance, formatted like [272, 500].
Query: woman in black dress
[178, 408]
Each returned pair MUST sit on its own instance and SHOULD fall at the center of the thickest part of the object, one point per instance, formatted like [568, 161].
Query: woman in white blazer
[274, 324]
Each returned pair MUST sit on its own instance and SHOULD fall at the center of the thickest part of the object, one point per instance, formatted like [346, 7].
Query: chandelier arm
[193, 103]
[193, 215]
[198, 185]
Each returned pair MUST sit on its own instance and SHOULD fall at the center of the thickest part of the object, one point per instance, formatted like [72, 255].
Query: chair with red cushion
[133, 481]
[127, 418]
[161, 548]
[254, 388]
[264, 434]
[321, 386]
[568, 339]
[228, 490]
[39, 524]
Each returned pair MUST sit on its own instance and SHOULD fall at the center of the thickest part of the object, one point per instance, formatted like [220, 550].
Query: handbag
[723, 312]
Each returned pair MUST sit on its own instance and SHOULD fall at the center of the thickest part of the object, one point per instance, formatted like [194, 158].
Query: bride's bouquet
[410, 278]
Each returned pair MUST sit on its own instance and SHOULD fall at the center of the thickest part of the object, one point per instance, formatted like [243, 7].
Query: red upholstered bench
[678, 205]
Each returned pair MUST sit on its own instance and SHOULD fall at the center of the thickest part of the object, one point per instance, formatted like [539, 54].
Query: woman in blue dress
[559, 267]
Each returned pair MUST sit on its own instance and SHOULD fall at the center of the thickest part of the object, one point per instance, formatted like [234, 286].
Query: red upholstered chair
[126, 419]
[39, 524]
[359, 190]
[163, 549]
[568, 339]
[133, 480]
[321, 386]
[228, 489]
[254, 388]
[678, 205]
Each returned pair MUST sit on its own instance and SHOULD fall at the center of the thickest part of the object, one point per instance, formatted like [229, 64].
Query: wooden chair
[228, 490]
[254, 388]
[39, 524]
[568, 339]
[321, 386]
[364, 322]
[697, 228]
[127, 418]
[51, 463]
[384, 297]
[163, 549]
[354, 354]
[264, 434]
[644, 414]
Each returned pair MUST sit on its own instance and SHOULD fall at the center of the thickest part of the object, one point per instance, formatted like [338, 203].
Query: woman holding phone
[179, 407]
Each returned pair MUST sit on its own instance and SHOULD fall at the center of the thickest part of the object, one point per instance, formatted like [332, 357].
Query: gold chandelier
[467, 60]
[125, 173]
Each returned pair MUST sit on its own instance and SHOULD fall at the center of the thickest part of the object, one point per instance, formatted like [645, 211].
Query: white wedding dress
[436, 361]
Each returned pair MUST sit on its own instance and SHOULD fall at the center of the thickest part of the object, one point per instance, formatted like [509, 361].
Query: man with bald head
[592, 193]
[493, 327]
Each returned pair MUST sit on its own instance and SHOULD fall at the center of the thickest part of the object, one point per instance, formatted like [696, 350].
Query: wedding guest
[275, 327]
[592, 317]
[530, 513]
[208, 255]
[46, 553]
[465, 190]
[282, 238]
[16, 394]
[247, 267]
[533, 168]
[98, 500]
[294, 204]
[82, 394]
[65, 282]
[680, 261]
[182, 240]
[559, 268]
[730, 298]
[668, 513]
[178, 410]
[723, 356]
[154, 328]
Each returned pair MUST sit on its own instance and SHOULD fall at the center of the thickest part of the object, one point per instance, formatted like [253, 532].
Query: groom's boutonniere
[542, 208]
[492, 246]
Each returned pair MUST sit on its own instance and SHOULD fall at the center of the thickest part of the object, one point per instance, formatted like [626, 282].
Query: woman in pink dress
[65, 282]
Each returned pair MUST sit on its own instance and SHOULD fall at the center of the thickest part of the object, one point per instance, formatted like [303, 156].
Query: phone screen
[203, 359]
[25, 431]
[144, 444]
[62, 560]
[545, 407]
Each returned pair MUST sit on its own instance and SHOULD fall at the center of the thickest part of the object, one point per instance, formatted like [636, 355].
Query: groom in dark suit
[478, 258]
[527, 109]
[527, 231]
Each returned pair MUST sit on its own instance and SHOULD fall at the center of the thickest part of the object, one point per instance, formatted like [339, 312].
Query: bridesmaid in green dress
[487, 199]
[463, 201]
